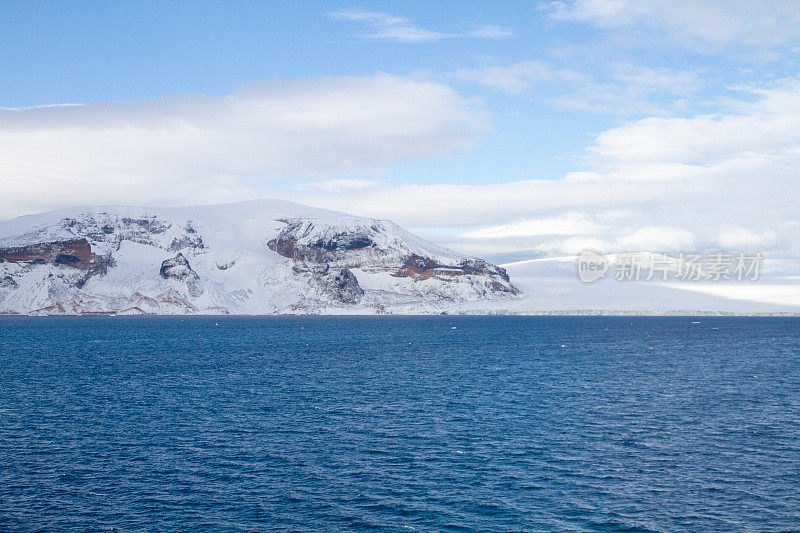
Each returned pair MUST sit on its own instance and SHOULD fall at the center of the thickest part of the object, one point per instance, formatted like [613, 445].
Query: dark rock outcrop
[111, 228]
[190, 239]
[178, 268]
[98, 267]
[343, 241]
[148, 224]
[326, 249]
[194, 242]
[343, 287]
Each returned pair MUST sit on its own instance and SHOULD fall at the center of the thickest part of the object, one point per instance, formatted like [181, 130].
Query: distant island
[258, 257]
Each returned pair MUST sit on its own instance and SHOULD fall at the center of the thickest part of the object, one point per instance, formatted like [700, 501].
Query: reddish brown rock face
[288, 247]
[74, 253]
[422, 268]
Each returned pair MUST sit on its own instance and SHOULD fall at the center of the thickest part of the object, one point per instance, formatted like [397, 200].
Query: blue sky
[85, 51]
[522, 121]
[53, 53]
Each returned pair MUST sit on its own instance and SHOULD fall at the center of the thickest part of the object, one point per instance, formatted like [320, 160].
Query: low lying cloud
[744, 239]
[565, 225]
[658, 239]
[195, 149]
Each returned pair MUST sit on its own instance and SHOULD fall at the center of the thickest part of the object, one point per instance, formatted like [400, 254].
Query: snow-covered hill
[259, 257]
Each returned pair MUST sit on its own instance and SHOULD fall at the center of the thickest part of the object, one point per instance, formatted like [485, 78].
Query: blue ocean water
[400, 424]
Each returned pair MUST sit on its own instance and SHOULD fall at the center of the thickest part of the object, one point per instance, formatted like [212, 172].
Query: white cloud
[624, 89]
[653, 238]
[344, 184]
[491, 31]
[765, 128]
[190, 148]
[703, 182]
[707, 25]
[519, 77]
[744, 239]
[370, 17]
[388, 27]
[572, 245]
[385, 27]
[646, 80]
[565, 225]
[695, 183]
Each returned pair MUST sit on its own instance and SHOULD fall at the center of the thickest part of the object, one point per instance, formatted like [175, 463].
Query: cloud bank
[728, 180]
[191, 148]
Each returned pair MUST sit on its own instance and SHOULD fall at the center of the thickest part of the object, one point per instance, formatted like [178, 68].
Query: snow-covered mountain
[258, 257]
